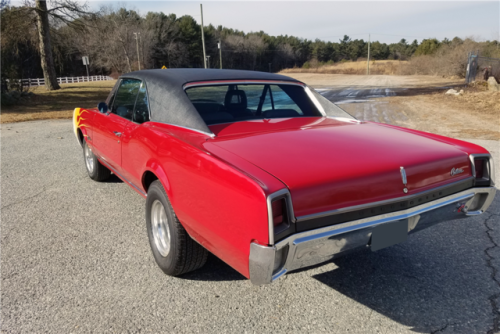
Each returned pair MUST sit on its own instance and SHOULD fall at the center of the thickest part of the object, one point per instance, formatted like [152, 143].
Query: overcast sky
[330, 20]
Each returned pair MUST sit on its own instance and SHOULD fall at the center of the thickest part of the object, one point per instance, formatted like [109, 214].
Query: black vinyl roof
[169, 103]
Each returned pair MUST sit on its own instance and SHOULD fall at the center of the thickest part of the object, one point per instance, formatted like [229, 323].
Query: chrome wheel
[159, 226]
[89, 159]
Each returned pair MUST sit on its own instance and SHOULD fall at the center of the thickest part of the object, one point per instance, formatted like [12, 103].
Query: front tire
[96, 170]
[173, 249]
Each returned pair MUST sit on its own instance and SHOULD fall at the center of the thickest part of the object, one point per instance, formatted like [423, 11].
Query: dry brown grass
[475, 114]
[58, 104]
[387, 67]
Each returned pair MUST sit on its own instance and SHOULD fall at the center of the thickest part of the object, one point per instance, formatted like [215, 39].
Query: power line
[344, 35]
[349, 35]
[401, 36]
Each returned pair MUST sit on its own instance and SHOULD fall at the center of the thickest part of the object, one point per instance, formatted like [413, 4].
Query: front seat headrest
[236, 100]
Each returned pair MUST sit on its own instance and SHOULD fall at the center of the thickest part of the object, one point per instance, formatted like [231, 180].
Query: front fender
[81, 118]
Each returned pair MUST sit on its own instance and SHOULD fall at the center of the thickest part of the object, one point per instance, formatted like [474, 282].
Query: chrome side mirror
[103, 107]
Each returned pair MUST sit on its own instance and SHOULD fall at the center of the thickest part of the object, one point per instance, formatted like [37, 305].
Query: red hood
[328, 164]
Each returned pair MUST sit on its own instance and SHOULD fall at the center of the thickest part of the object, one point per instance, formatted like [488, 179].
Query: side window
[279, 100]
[141, 111]
[126, 95]
[112, 94]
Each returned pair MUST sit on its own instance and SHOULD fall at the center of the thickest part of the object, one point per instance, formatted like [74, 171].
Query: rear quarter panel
[221, 207]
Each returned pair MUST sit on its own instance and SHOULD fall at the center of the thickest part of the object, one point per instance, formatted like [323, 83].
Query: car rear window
[240, 102]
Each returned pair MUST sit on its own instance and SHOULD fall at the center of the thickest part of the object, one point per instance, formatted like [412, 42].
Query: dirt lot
[395, 81]
[417, 102]
[473, 115]
[353, 67]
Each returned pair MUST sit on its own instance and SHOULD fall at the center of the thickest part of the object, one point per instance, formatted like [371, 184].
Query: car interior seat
[235, 103]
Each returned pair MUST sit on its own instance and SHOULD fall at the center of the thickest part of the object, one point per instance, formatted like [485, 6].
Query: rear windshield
[232, 103]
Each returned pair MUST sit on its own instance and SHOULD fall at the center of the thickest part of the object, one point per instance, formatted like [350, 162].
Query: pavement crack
[494, 276]
[24, 199]
[440, 329]
[46, 188]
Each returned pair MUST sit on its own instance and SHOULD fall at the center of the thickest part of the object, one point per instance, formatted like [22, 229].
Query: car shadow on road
[446, 291]
[214, 270]
[113, 179]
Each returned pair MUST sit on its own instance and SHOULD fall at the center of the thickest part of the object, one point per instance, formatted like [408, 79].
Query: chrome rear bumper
[268, 263]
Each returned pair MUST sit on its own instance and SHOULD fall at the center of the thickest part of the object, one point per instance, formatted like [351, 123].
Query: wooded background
[107, 37]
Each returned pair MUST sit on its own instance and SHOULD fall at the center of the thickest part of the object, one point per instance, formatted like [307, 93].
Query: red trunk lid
[329, 164]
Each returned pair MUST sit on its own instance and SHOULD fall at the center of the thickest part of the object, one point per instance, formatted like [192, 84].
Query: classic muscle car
[267, 174]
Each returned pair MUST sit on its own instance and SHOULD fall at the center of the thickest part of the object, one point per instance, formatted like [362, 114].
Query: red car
[268, 175]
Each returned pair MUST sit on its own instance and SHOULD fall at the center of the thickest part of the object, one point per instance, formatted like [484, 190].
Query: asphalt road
[343, 95]
[363, 101]
[75, 259]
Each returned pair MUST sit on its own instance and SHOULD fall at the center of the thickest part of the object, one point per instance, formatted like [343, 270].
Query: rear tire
[173, 249]
[96, 170]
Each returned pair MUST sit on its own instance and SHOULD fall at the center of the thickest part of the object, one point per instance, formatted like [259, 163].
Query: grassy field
[388, 67]
[58, 104]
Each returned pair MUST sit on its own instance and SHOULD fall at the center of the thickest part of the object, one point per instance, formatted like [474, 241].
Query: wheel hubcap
[89, 159]
[159, 225]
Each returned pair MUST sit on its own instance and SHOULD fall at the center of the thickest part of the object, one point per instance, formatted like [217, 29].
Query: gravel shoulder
[75, 259]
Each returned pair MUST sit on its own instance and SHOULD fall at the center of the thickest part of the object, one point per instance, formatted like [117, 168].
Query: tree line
[38, 39]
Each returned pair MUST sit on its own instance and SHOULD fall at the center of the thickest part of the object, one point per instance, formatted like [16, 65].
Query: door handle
[118, 134]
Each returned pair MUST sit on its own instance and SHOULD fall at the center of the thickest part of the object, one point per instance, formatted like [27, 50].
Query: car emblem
[403, 178]
[455, 171]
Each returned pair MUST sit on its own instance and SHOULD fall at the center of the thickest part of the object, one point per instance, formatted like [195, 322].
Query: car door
[109, 127]
[135, 152]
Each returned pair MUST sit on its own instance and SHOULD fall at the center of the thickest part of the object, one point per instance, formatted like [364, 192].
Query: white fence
[62, 80]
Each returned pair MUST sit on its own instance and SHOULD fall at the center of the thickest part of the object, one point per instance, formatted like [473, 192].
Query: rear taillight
[279, 213]
[483, 170]
[479, 164]
[281, 221]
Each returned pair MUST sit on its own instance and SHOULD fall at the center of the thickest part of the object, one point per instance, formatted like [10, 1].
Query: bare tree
[116, 28]
[286, 54]
[255, 45]
[61, 10]
[45, 47]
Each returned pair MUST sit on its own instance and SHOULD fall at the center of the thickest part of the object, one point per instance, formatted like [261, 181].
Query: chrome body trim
[270, 198]
[323, 244]
[315, 101]
[211, 134]
[103, 161]
[346, 119]
[241, 82]
[403, 175]
[374, 204]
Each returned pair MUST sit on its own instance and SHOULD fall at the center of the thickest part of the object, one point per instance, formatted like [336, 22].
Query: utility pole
[203, 37]
[137, 43]
[220, 52]
[368, 61]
